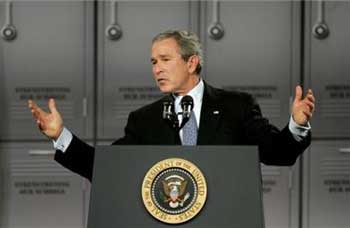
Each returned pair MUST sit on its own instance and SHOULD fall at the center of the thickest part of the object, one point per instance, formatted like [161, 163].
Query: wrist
[58, 134]
[299, 122]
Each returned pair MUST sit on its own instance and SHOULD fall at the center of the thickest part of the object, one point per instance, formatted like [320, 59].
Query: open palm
[50, 123]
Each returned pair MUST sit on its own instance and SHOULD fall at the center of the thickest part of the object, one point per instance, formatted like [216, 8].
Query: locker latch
[113, 30]
[8, 31]
[216, 30]
[320, 29]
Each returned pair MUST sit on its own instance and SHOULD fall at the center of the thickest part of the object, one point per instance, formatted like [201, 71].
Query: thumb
[298, 93]
[52, 106]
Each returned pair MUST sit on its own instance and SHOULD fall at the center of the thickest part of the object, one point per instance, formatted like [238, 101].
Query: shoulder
[151, 109]
[229, 96]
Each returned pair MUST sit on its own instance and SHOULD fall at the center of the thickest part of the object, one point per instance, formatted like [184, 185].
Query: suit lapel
[210, 116]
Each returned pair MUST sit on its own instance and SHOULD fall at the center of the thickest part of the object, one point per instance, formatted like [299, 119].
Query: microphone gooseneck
[187, 107]
[168, 105]
[169, 114]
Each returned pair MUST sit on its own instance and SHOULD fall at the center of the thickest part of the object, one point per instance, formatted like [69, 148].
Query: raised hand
[49, 123]
[303, 108]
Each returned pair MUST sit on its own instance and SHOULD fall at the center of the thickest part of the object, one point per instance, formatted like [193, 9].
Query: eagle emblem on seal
[174, 188]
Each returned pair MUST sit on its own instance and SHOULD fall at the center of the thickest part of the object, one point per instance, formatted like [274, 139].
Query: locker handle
[113, 30]
[216, 30]
[345, 150]
[320, 30]
[85, 107]
[290, 179]
[8, 31]
[41, 152]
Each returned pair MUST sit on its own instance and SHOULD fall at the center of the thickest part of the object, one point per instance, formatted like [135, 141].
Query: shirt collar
[196, 93]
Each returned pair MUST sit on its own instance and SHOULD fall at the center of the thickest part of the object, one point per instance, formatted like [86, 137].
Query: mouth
[162, 80]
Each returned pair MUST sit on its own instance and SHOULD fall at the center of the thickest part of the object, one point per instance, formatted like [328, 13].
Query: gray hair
[188, 42]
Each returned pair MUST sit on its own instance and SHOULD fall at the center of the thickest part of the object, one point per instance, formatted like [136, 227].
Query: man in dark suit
[219, 117]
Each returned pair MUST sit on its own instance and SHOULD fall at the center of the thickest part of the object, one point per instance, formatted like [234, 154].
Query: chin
[165, 89]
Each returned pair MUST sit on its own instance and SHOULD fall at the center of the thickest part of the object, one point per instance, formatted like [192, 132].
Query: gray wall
[62, 50]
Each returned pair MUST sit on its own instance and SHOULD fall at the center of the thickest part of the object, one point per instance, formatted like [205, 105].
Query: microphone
[187, 107]
[169, 114]
[168, 105]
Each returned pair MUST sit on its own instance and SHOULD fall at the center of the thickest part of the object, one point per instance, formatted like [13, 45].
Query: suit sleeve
[275, 147]
[79, 156]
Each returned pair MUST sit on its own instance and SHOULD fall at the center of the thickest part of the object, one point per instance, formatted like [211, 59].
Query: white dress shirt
[197, 94]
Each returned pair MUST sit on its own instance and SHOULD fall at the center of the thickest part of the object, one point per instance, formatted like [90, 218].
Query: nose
[156, 69]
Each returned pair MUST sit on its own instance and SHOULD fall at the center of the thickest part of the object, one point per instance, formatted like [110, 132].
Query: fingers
[37, 112]
[310, 105]
[308, 114]
[52, 106]
[298, 93]
[309, 100]
[310, 96]
[40, 126]
[33, 106]
[34, 109]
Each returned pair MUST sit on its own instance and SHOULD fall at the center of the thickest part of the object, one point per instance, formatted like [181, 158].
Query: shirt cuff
[299, 132]
[63, 141]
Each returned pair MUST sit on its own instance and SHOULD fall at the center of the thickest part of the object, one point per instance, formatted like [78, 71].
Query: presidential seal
[174, 190]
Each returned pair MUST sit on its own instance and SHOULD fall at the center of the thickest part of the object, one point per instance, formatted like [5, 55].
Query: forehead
[167, 46]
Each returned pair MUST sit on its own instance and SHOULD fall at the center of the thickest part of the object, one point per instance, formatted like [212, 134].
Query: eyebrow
[161, 56]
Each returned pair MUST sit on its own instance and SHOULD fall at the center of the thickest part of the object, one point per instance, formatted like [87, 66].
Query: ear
[192, 63]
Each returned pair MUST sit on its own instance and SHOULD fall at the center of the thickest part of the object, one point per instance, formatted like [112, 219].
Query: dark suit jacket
[227, 118]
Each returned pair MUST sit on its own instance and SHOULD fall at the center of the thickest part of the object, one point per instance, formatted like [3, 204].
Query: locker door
[280, 195]
[327, 186]
[38, 192]
[327, 66]
[51, 56]
[258, 52]
[2, 188]
[2, 84]
[125, 78]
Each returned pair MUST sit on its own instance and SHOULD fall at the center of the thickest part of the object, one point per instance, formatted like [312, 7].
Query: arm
[278, 147]
[77, 156]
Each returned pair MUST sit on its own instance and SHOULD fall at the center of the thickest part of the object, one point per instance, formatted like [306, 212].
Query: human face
[171, 72]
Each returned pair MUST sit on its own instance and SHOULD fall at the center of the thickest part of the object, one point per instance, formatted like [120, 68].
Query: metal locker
[38, 192]
[327, 67]
[86, 206]
[281, 196]
[51, 56]
[327, 185]
[2, 188]
[253, 46]
[2, 84]
[125, 80]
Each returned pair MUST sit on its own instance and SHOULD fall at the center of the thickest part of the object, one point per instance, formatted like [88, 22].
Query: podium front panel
[232, 175]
